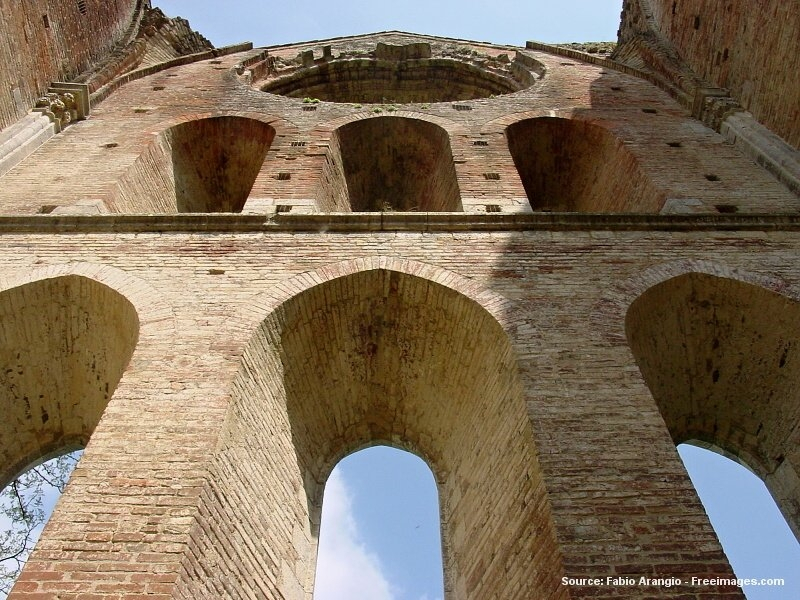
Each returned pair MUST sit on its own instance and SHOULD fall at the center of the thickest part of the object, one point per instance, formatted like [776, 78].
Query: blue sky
[380, 530]
[498, 21]
[754, 534]
[380, 537]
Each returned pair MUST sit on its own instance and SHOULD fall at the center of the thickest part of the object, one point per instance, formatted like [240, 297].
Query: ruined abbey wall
[609, 494]
[539, 274]
[630, 148]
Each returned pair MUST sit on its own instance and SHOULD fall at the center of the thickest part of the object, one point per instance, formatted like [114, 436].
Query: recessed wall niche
[201, 166]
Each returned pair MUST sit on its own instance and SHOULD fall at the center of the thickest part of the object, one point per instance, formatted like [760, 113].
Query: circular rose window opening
[371, 81]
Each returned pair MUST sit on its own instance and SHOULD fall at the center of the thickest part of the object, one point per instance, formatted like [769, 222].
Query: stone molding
[393, 221]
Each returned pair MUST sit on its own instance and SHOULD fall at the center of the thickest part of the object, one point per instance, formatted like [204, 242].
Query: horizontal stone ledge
[420, 222]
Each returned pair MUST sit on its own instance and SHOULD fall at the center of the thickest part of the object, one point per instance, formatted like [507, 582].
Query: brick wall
[745, 49]
[512, 351]
[391, 163]
[42, 42]
[685, 163]
[716, 354]
[620, 499]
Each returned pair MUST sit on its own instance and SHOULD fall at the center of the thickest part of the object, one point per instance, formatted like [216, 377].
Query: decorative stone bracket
[64, 103]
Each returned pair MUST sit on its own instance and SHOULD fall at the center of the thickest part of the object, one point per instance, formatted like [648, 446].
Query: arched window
[65, 345]
[568, 165]
[371, 357]
[66, 342]
[380, 534]
[719, 357]
[751, 529]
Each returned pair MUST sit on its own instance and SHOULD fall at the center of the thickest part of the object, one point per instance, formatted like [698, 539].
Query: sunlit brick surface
[303, 306]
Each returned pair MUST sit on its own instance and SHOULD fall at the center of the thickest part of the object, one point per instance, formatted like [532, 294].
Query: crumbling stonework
[74, 57]
[42, 42]
[723, 60]
[84, 42]
[540, 290]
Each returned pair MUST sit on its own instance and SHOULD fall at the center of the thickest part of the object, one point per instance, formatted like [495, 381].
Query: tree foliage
[25, 506]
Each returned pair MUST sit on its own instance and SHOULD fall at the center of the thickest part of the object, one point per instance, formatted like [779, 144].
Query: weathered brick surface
[391, 163]
[88, 42]
[575, 166]
[52, 317]
[42, 42]
[736, 47]
[207, 165]
[715, 352]
[513, 353]
[702, 170]
[621, 501]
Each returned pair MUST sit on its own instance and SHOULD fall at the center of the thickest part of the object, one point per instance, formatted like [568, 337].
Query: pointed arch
[371, 355]
[65, 343]
[753, 533]
[720, 358]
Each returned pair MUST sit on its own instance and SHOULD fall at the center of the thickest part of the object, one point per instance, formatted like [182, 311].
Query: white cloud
[346, 569]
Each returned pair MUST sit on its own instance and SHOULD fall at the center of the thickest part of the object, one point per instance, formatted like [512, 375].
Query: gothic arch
[720, 357]
[66, 340]
[609, 313]
[250, 316]
[366, 354]
[153, 312]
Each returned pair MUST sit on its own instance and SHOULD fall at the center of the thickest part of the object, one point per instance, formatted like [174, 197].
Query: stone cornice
[389, 222]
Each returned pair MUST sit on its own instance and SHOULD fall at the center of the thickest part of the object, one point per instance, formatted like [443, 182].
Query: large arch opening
[569, 165]
[26, 505]
[752, 531]
[379, 534]
[375, 357]
[720, 358]
[201, 166]
[390, 164]
[64, 346]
